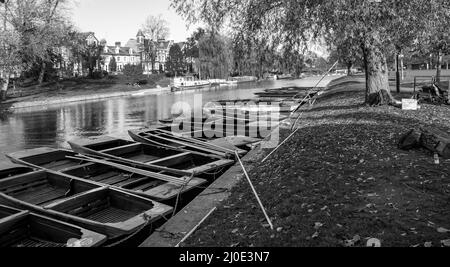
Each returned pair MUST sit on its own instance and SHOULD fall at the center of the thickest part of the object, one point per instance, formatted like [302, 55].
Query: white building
[138, 51]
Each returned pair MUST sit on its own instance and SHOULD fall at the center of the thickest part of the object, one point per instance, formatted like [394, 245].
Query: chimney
[118, 45]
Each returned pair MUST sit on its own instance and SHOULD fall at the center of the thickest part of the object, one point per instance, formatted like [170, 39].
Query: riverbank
[340, 181]
[76, 90]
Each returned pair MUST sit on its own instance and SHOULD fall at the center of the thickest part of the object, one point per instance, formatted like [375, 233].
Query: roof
[164, 45]
[123, 51]
[140, 34]
[181, 44]
[132, 43]
[86, 35]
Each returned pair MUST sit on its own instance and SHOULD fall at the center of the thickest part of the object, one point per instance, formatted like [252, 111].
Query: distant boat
[243, 79]
[218, 81]
[188, 83]
[285, 77]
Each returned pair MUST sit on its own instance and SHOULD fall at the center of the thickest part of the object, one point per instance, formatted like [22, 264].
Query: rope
[312, 101]
[180, 192]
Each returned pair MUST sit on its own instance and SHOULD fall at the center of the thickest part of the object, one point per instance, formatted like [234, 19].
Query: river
[54, 125]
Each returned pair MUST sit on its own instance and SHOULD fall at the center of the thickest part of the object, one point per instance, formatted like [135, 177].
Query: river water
[54, 125]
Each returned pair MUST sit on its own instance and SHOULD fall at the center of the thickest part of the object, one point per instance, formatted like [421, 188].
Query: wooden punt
[257, 109]
[233, 118]
[158, 136]
[8, 169]
[25, 229]
[105, 210]
[43, 188]
[285, 93]
[150, 156]
[217, 128]
[157, 186]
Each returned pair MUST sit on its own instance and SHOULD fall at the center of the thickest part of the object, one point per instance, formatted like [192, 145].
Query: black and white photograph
[241, 125]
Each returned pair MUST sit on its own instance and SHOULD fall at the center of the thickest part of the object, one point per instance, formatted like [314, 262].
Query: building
[150, 54]
[124, 55]
[70, 64]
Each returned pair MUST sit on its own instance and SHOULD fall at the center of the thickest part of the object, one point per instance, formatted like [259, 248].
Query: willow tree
[376, 26]
[215, 59]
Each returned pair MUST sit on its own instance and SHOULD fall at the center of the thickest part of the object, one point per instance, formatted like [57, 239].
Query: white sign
[409, 104]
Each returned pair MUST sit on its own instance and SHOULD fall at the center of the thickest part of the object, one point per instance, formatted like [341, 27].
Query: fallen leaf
[315, 235]
[443, 230]
[318, 225]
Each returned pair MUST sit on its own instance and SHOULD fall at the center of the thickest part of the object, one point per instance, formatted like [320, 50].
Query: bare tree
[156, 27]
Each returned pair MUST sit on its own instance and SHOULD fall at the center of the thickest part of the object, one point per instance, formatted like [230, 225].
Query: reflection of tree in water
[87, 119]
[40, 129]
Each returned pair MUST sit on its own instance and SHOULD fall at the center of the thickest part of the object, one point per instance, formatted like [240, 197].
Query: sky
[120, 20]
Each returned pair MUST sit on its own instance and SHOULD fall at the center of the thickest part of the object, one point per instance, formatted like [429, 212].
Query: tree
[215, 58]
[175, 61]
[132, 71]
[192, 51]
[376, 26]
[10, 61]
[347, 52]
[112, 64]
[42, 27]
[156, 27]
[437, 41]
[88, 54]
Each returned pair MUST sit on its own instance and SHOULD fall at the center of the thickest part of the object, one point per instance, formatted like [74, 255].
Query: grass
[82, 86]
[340, 182]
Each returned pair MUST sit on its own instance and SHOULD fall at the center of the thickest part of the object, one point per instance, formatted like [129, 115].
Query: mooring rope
[311, 104]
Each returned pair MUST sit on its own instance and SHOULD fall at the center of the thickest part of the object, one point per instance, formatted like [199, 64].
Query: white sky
[119, 20]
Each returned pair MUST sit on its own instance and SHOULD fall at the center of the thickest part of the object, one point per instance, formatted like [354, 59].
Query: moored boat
[8, 169]
[188, 83]
[103, 210]
[288, 92]
[25, 229]
[243, 79]
[157, 186]
[253, 126]
[157, 136]
[150, 156]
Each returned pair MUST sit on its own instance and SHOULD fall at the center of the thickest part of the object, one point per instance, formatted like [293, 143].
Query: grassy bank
[341, 181]
[79, 87]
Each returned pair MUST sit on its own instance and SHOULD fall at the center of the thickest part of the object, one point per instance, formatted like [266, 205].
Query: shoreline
[43, 100]
[56, 100]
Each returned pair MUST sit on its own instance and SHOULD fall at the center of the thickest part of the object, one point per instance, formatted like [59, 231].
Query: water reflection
[55, 125]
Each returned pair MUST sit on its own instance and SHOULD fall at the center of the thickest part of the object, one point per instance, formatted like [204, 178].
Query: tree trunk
[42, 73]
[436, 141]
[349, 68]
[378, 91]
[4, 88]
[438, 67]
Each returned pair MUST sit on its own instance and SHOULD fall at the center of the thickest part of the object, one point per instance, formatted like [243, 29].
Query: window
[118, 59]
